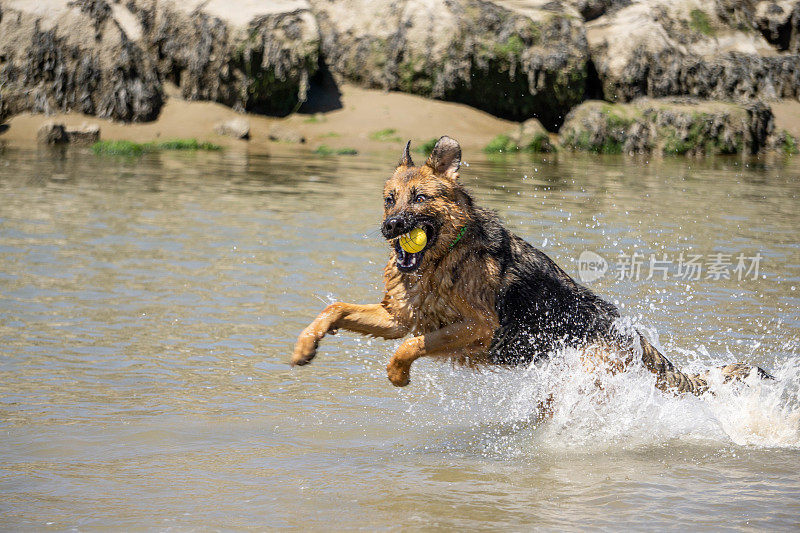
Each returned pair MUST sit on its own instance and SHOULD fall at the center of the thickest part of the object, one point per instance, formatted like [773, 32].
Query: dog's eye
[389, 201]
[420, 198]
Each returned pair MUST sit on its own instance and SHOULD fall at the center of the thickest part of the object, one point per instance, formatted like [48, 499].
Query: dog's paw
[305, 350]
[398, 373]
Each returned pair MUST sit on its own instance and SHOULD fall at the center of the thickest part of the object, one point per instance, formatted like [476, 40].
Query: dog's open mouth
[408, 261]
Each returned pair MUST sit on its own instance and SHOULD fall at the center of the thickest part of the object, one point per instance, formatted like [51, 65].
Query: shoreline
[365, 113]
[368, 121]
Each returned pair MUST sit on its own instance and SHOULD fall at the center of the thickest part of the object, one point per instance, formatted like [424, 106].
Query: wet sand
[787, 116]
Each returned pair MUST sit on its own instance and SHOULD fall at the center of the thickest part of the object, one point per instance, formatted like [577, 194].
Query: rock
[779, 23]
[238, 128]
[110, 59]
[591, 9]
[52, 133]
[670, 127]
[513, 59]
[55, 133]
[255, 56]
[785, 142]
[281, 133]
[74, 56]
[85, 134]
[663, 48]
[530, 136]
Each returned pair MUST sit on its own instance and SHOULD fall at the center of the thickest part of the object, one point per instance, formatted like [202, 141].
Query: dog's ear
[405, 159]
[445, 159]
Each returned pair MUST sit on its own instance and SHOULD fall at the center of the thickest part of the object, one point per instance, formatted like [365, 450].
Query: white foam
[598, 410]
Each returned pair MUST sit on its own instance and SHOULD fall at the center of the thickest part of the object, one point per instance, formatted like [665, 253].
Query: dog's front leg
[448, 340]
[372, 319]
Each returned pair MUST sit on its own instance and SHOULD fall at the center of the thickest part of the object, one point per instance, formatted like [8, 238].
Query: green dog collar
[460, 234]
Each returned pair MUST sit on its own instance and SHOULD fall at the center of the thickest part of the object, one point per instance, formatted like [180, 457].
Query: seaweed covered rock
[663, 48]
[670, 127]
[520, 61]
[3, 107]
[779, 23]
[591, 9]
[84, 134]
[786, 142]
[250, 56]
[52, 132]
[74, 56]
[530, 136]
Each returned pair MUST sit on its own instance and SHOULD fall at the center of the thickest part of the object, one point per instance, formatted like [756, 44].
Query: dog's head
[428, 197]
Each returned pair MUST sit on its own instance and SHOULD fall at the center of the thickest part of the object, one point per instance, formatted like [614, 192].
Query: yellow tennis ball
[414, 241]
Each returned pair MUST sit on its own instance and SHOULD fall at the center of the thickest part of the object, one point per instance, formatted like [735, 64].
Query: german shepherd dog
[478, 294]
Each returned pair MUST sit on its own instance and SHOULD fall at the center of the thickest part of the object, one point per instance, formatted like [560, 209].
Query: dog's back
[539, 306]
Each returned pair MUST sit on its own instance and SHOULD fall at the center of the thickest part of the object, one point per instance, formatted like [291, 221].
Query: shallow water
[148, 309]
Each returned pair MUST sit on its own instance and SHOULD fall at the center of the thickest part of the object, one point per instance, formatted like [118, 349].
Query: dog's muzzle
[394, 227]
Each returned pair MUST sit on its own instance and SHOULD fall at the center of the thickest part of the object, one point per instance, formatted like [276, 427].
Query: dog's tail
[670, 378]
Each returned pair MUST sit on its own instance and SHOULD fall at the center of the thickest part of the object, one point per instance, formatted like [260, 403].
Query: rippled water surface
[148, 308]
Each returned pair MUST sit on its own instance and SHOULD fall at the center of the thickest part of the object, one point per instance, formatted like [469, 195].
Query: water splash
[503, 407]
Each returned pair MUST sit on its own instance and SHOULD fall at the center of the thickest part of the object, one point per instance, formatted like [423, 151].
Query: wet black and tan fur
[477, 293]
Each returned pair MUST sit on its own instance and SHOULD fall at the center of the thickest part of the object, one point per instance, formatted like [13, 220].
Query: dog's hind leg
[669, 378]
[371, 319]
[738, 372]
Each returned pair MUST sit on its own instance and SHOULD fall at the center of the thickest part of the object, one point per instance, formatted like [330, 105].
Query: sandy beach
[363, 113]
